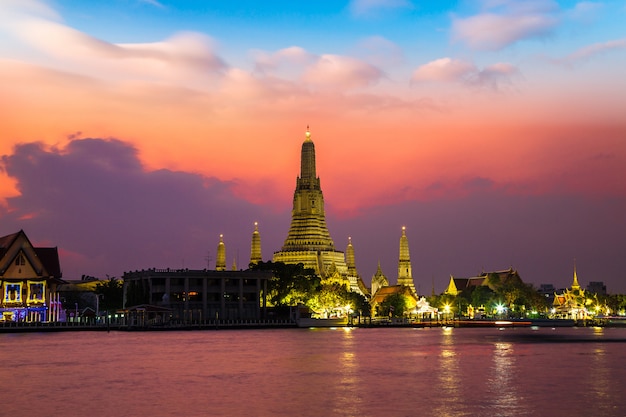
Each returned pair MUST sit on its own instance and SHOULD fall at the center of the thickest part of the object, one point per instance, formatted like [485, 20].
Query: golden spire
[350, 260]
[405, 276]
[575, 285]
[220, 262]
[255, 249]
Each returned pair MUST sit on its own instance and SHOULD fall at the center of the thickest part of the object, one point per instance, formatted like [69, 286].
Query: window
[12, 292]
[19, 260]
[36, 291]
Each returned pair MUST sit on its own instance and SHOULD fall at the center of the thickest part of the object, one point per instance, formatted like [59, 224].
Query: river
[316, 372]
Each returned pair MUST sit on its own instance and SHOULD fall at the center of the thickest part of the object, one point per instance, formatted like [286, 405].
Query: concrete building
[196, 295]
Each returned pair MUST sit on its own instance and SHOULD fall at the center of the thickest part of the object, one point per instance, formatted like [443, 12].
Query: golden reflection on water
[348, 399]
[449, 383]
[502, 385]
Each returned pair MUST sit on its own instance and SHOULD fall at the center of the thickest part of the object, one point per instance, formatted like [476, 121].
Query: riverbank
[276, 324]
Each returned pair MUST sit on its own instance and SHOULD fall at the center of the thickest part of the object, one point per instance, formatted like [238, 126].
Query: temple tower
[575, 284]
[220, 262]
[405, 276]
[308, 240]
[350, 262]
[379, 280]
[356, 283]
[255, 248]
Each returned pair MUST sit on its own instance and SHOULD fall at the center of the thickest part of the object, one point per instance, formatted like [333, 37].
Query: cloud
[506, 22]
[591, 51]
[360, 8]
[380, 51]
[444, 69]
[176, 57]
[456, 70]
[343, 71]
[96, 201]
[154, 3]
[292, 56]
[585, 11]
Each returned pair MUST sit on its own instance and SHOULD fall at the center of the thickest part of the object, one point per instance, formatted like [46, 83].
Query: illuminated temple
[308, 240]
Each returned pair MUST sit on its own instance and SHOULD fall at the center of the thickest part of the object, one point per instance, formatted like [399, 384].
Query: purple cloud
[107, 214]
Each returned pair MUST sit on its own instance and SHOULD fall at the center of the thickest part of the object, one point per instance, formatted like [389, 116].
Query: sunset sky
[134, 132]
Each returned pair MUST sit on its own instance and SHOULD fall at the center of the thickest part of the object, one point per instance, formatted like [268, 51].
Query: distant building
[404, 290]
[199, 294]
[548, 291]
[379, 280]
[493, 280]
[596, 287]
[28, 280]
[571, 303]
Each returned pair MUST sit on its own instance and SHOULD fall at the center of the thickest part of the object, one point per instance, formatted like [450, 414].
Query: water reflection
[305, 373]
[448, 377]
[599, 379]
[502, 385]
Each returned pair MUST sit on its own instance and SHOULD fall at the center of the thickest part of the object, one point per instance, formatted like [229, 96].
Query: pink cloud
[335, 70]
[593, 50]
[293, 55]
[443, 69]
[380, 51]
[457, 70]
[506, 24]
[176, 57]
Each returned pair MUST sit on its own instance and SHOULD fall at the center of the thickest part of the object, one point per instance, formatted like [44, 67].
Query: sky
[134, 132]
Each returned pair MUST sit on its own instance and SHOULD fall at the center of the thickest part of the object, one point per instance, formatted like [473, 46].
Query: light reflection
[449, 383]
[348, 400]
[502, 384]
[599, 377]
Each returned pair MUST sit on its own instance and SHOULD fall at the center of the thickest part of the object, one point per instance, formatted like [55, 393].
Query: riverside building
[28, 280]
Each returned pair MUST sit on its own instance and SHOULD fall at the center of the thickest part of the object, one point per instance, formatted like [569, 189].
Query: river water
[316, 372]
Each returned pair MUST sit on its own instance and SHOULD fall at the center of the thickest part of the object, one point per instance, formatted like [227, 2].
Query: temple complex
[308, 240]
[571, 303]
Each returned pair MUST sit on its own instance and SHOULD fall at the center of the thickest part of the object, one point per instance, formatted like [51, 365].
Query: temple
[255, 247]
[308, 240]
[405, 276]
[571, 302]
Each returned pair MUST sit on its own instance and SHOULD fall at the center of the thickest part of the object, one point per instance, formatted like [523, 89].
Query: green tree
[291, 284]
[395, 304]
[482, 296]
[111, 294]
[359, 304]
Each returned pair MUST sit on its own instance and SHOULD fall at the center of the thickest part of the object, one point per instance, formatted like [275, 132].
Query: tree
[111, 294]
[482, 296]
[359, 304]
[393, 305]
[292, 284]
